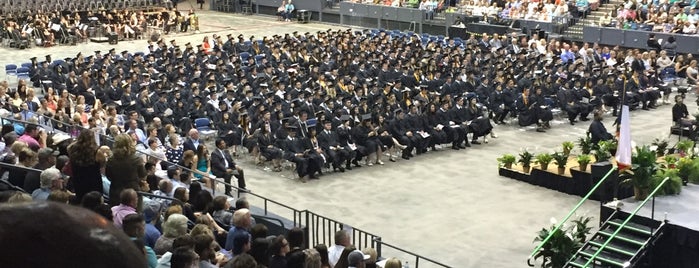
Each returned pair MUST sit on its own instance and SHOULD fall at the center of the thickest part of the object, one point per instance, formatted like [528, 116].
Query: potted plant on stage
[563, 243]
[660, 146]
[642, 170]
[685, 147]
[561, 160]
[544, 159]
[602, 152]
[585, 145]
[507, 160]
[567, 147]
[583, 161]
[672, 187]
[525, 158]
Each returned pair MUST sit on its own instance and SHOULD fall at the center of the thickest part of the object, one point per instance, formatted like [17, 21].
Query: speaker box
[113, 38]
[609, 188]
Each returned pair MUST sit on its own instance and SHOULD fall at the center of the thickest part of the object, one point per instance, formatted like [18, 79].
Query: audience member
[128, 201]
[51, 180]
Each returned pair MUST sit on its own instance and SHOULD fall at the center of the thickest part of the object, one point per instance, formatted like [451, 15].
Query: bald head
[194, 134]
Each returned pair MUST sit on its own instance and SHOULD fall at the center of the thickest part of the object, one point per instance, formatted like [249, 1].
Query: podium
[304, 16]
[113, 38]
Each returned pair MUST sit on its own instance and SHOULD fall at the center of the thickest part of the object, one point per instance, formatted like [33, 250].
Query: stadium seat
[244, 56]
[203, 125]
[27, 64]
[10, 70]
[23, 73]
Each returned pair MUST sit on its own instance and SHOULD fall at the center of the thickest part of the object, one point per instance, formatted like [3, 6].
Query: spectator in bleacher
[184, 257]
[393, 263]
[125, 169]
[85, 229]
[94, 202]
[46, 159]
[221, 212]
[288, 10]
[240, 224]
[51, 180]
[34, 136]
[151, 214]
[134, 226]
[128, 202]
[173, 227]
[295, 258]
[204, 247]
[84, 166]
[277, 251]
[342, 240]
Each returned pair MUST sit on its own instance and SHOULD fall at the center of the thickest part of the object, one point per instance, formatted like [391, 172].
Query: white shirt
[334, 253]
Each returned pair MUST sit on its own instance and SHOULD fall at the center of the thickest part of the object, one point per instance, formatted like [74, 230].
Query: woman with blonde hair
[392, 263]
[174, 227]
[125, 169]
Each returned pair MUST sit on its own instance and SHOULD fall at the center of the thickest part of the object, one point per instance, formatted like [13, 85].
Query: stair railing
[570, 214]
[591, 259]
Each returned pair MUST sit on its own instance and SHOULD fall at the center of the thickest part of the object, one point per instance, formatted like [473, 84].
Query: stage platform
[678, 247]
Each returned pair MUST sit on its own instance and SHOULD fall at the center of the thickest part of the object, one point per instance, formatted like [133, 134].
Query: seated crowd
[182, 233]
[300, 98]
[499, 10]
[659, 16]
[53, 27]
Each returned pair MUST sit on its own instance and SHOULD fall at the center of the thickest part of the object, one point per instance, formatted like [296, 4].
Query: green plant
[643, 168]
[563, 243]
[507, 160]
[584, 159]
[686, 168]
[685, 147]
[672, 187]
[525, 157]
[544, 159]
[561, 159]
[567, 147]
[660, 146]
[603, 150]
[585, 145]
[670, 161]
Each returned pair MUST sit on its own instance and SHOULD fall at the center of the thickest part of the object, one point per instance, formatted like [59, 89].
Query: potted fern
[567, 147]
[585, 145]
[544, 159]
[602, 153]
[561, 160]
[672, 187]
[660, 146]
[507, 160]
[583, 161]
[525, 158]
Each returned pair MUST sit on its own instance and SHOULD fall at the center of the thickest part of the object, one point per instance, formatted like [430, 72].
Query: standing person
[201, 4]
[223, 166]
[86, 175]
[125, 169]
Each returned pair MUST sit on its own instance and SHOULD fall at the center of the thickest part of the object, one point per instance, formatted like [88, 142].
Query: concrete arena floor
[450, 206]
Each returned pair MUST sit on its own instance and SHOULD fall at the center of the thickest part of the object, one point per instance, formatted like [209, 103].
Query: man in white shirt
[342, 240]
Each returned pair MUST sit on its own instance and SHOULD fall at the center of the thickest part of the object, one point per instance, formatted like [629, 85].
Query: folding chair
[203, 125]
[10, 70]
[23, 73]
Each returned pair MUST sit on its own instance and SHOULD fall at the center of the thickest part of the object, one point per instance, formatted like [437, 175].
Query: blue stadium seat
[10, 70]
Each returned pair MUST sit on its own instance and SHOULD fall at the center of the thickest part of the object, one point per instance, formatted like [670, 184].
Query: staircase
[625, 249]
[575, 31]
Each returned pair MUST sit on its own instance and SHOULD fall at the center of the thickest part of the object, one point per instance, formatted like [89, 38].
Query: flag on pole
[623, 151]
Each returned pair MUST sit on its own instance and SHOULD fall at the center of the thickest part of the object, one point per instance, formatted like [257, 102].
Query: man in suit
[223, 166]
[295, 151]
[193, 141]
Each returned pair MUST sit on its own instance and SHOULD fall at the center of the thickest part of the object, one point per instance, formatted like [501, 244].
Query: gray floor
[450, 206]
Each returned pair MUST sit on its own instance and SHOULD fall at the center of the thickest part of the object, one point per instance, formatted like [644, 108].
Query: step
[605, 256]
[642, 229]
[624, 237]
[580, 261]
[616, 247]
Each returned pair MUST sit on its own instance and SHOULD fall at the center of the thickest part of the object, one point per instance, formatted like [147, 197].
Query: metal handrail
[570, 214]
[417, 257]
[657, 188]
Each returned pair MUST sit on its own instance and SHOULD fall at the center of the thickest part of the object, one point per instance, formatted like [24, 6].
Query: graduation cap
[96, 52]
[292, 126]
[398, 111]
[286, 120]
[112, 50]
[197, 98]
[319, 113]
[345, 117]
[366, 117]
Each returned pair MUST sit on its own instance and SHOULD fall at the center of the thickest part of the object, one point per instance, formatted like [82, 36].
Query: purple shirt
[121, 211]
